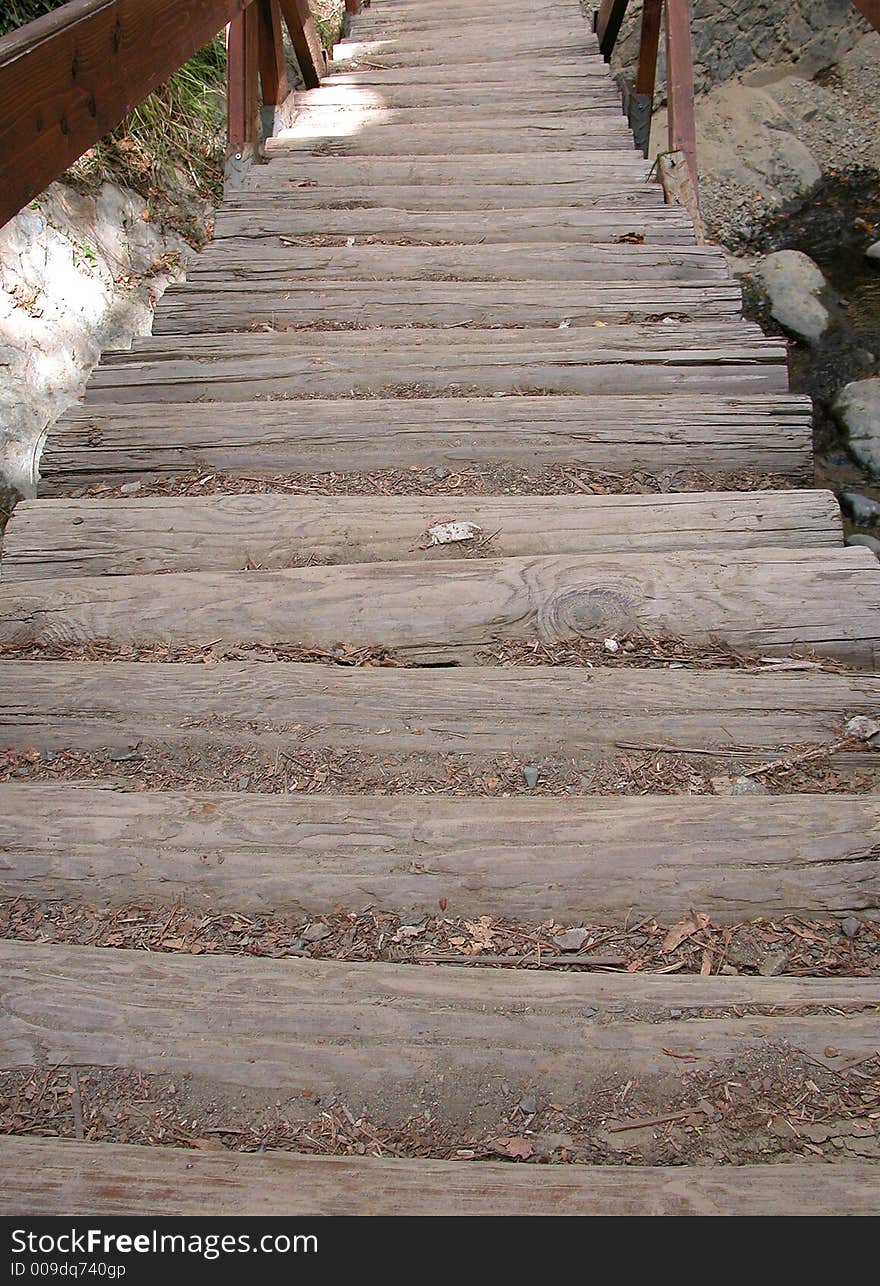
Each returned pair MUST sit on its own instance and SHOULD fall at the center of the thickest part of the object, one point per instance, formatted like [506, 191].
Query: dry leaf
[685, 929]
[519, 1149]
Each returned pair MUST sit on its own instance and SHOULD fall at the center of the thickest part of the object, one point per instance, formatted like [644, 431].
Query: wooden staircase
[352, 783]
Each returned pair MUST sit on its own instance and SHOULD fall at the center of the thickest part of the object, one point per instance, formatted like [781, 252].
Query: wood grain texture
[305, 140]
[587, 860]
[615, 192]
[513, 171]
[556, 712]
[506, 48]
[705, 431]
[574, 96]
[727, 356]
[389, 1036]
[283, 265]
[247, 222]
[229, 302]
[51, 1177]
[765, 601]
[100, 537]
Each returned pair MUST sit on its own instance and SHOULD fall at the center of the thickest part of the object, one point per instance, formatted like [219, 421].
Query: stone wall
[740, 39]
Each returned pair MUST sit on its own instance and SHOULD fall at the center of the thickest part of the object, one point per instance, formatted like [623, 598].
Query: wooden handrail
[69, 78]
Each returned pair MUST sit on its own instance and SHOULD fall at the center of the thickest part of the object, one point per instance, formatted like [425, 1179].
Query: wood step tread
[588, 167]
[226, 303]
[590, 859]
[449, 194]
[498, 264]
[728, 356]
[398, 1037]
[766, 601]
[49, 1177]
[530, 711]
[247, 222]
[105, 537]
[456, 139]
[125, 440]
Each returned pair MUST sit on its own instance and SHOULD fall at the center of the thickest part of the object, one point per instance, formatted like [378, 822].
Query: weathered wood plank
[237, 305]
[677, 358]
[585, 859]
[560, 71]
[449, 194]
[470, 711]
[575, 97]
[244, 224]
[514, 170]
[338, 139]
[768, 601]
[280, 264]
[49, 1177]
[95, 537]
[473, 710]
[120, 441]
[506, 47]
[391, 1036]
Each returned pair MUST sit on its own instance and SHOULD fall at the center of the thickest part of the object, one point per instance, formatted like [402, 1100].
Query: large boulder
[857, 409]
[796, 290]
[872, 254]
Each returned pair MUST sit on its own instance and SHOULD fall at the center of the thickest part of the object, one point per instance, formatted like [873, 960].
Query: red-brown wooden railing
[679, 69]
[69, 78]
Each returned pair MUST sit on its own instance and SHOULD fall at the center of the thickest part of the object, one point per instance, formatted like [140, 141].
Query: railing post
[607, 22]
[305, 39]
[680, 86]
[243, 84]
[273, 68]
[640, 103]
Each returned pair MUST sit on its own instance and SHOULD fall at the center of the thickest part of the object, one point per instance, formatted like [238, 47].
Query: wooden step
[560, 71]
[51, 1177]
[336, 139]
[508, 48]
[225, 302]
[589, 859]
[466, 1042]
[363, 111]
[590, 169]
[718, 357]
[541, 713]
[95, 537]
[447, 265]
[722, 434]
[247, 222]
[574, 97]
[446, 193]
[766, 601]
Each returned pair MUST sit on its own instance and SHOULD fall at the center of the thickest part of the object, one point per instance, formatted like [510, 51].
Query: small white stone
[612, 645]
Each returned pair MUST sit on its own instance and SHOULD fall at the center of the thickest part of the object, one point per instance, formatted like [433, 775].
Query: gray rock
[130, 488]
[795, 288]
[749, 786]
[529, 1102]
[850, 927]
[870, 542]
[316, 932]
[862, 509]
[862, 727]
[872, 254]
[857, 409]
[531, 774]
[122, 755]
[571, 939]
[773, 964]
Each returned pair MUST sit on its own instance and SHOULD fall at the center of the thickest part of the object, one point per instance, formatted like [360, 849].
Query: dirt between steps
[793, 945]
[772, 1107]
[232, 760]
[487, 479]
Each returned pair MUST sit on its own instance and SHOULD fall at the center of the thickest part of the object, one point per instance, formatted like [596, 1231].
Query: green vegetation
[172, 144]
[15, 13]
[329, 18]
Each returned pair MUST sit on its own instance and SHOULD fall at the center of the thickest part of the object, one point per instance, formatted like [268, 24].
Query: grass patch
[171, 146]
[329, 16]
